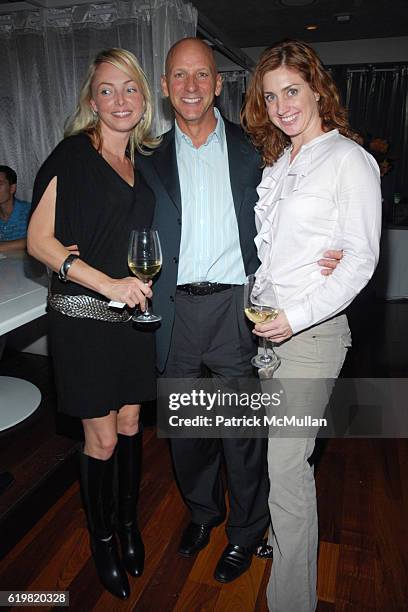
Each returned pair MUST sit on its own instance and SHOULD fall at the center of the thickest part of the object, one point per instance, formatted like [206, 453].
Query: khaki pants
[315, 353]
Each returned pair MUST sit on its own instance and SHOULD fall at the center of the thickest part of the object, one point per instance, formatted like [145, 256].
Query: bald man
[205, 176]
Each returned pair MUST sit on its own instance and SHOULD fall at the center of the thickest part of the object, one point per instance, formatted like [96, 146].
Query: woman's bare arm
[44, 246]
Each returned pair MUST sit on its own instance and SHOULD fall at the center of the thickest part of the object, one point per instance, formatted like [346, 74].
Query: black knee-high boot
[97, 494]
[129, 456]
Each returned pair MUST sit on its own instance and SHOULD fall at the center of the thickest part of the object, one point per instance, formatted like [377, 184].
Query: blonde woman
[90, 194]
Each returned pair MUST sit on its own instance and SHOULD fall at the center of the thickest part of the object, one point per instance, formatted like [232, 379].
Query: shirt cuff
[298, 318]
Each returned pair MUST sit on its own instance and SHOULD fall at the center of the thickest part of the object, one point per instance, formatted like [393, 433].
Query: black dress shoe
[195, 537]
[234, 561]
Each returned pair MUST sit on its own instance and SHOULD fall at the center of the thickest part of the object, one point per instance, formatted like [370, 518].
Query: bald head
[190, 43]
[191, 83]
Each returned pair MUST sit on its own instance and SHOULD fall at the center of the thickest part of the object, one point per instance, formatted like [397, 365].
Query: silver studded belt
[86, 307]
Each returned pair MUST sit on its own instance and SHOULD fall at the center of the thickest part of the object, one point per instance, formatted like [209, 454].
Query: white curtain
[44, 57]
[232, 94]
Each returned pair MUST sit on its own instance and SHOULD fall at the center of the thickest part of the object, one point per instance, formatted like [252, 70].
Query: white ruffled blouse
[328, 198]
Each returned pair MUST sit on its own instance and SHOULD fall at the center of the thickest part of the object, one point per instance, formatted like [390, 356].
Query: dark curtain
[377, 101]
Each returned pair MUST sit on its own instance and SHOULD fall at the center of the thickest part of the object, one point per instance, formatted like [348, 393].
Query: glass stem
[265, 349]
[147, 305]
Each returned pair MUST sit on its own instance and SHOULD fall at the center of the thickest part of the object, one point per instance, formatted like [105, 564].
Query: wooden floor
[362, 488]
[363, 563]
[40, 452]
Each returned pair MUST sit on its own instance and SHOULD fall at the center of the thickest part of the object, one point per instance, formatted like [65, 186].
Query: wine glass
[260, 308]
[145, 261]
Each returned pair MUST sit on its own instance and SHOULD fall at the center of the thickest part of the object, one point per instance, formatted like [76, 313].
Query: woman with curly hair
[320, 190]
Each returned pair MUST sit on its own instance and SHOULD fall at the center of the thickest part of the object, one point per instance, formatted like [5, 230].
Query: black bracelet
[65, 266]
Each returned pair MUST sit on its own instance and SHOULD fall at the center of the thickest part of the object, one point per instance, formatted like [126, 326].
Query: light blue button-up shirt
[210, 248]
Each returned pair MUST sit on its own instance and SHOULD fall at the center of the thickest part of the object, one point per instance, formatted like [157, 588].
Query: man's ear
[163, 82]
[13, 188]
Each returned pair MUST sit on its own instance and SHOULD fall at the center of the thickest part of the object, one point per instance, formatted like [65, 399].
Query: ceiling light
[311, 27]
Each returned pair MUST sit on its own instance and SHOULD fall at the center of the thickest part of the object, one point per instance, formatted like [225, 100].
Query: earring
[317, 97]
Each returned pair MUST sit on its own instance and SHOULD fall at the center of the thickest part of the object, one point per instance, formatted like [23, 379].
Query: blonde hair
[295, 55]
[85, 120]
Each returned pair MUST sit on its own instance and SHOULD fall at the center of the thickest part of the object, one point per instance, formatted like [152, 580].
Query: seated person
[13, 213]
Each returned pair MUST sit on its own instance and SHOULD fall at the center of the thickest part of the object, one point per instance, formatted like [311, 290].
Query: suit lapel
[165, 162]
[237, 154]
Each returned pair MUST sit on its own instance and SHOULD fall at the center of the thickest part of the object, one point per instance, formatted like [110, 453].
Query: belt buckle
[203, 288]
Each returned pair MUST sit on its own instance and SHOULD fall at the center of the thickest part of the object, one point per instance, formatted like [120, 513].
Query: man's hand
[277, 330]
[330, 262]
[73, 249]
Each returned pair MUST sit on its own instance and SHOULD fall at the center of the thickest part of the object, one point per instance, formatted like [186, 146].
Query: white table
[392, 274]
[23, 295]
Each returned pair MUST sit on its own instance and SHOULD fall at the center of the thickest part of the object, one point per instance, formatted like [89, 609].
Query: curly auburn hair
[297, 56]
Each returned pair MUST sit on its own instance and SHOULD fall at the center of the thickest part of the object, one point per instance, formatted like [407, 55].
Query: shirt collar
[217, 135]
[299, 165]
[320, 138]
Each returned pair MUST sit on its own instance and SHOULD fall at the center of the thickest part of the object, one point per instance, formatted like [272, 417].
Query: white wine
[261, 314]
[145, 270]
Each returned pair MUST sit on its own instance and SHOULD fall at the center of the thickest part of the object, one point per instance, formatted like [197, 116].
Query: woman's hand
[129, 290]
[277, 330]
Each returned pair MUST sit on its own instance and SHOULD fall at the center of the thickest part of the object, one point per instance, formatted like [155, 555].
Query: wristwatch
[65, 266]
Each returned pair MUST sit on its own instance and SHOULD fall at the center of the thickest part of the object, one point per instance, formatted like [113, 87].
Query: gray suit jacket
[161, 173]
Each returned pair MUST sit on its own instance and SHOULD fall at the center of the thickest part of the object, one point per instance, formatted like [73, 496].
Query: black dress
[99, 366]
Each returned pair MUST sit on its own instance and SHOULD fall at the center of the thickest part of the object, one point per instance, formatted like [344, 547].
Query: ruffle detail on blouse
[278, 183]
[298, 170]
[269, 191]
[271, 176]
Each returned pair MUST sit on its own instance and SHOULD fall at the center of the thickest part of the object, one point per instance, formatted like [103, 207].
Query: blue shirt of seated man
[16, 225]
[14, 213]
